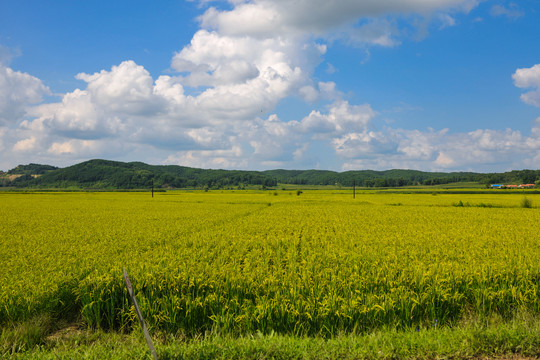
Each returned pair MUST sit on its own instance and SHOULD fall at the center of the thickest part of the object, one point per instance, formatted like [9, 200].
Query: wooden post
[152, 187]
[139, 315]
[354, 189]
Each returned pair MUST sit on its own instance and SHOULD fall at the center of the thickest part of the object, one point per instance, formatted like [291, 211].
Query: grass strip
[518, 339]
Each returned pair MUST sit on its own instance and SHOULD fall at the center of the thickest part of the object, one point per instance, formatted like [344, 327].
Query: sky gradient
[434, 85]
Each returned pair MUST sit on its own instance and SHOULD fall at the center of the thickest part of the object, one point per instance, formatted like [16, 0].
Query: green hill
[370, 178]
[31, 169]
[106, 174]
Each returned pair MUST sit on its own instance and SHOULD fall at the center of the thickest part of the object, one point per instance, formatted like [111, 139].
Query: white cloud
[210, 159]
[239, 67]
[3, 132]
[309, 93]
[271, 139]
[126, 89]
[367, 144]
[328, 90]
[526, 78]
[479, 150]
[374, 32]
[341, 118]
[88, 123]
[480, 147]
[25, 145]
[512, 11]
[7, 54]
[446, 21]
[268, 18]
[76, 147]
[17, 91]
[62, 148]
[246, 19]
[415, 144]
[77, 116]
[246, 75]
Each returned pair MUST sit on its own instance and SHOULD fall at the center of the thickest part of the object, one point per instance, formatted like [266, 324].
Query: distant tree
[527, 176]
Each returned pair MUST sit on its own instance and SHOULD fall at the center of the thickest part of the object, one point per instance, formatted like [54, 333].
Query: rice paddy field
[319, 264]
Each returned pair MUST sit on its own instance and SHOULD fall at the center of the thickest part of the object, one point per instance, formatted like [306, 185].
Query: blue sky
[438, 85]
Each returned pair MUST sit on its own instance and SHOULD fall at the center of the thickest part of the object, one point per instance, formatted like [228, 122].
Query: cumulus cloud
[88, 123]
[366, 144]
[17, 91]
[243, 75]
[360, 23]
[527, 78]
[271, 139]
[419, 145]
[210, 159]
[268, 18]
[77, 116]
[126, 89]
[26, 145]
[75, 146]
[212, 112]
[341, 118]
[478, 150]
[126, 105]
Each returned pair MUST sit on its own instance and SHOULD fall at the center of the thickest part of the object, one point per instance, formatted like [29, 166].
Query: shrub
[526, 203]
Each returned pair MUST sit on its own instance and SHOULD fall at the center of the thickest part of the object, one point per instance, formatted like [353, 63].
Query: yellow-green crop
[238, 262]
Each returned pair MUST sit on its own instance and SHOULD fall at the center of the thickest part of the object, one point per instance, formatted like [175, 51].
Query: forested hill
[31, 169]
[397, 177]
[105, 174]
[370, 178]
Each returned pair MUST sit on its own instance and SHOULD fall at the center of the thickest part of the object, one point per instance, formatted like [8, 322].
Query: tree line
[106, 174]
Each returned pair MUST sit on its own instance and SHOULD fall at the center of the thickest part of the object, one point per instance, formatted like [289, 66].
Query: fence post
[139, 315]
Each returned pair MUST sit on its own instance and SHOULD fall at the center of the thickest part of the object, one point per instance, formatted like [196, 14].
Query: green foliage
[481, 205]
[518, 339]
[512, 177]
[26, 335]
[526, 203]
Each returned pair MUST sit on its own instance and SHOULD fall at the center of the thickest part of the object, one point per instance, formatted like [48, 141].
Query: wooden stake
[139, 315]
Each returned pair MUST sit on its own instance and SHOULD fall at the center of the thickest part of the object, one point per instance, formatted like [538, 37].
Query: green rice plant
[321, 264]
